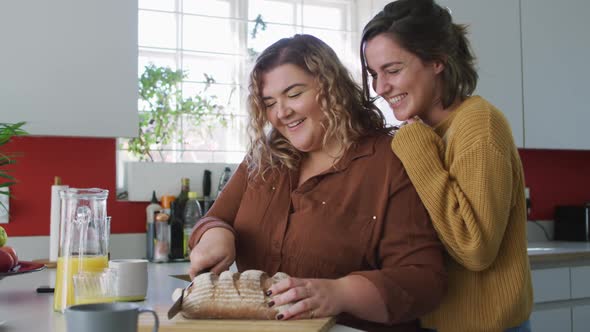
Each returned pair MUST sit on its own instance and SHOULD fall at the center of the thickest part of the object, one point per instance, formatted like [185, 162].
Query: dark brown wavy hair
[425, 29]
[346, 117]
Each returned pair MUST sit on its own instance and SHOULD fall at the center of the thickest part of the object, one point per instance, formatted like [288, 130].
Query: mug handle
[156, 322]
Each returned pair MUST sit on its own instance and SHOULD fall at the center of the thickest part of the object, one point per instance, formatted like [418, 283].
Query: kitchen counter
[23, 309]
[559, 253]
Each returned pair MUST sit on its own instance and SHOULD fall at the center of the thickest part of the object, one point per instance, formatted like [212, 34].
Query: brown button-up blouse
[362, 216]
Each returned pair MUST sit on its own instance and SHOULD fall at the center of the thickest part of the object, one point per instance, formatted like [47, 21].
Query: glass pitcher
[84, 239]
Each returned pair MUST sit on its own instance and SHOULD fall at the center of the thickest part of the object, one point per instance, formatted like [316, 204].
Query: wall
[81, 163]
[554, 176]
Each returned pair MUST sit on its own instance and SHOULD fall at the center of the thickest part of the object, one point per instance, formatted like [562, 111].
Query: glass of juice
[95, 287]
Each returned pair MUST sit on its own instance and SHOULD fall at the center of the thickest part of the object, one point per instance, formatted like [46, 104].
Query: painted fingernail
[268, 292]
[271, 303]
[280, 316]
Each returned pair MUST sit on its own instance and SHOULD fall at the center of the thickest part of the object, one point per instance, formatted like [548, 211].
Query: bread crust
[231, 295]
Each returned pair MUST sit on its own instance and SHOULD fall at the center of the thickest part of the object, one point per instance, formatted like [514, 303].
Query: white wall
[69, 67]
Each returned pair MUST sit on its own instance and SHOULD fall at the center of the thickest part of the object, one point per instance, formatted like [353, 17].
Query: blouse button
[374, 217]
[273, 188]
[323, 203]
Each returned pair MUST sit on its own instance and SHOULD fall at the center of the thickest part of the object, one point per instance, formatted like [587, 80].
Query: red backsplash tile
[555, 177]
[81, 163]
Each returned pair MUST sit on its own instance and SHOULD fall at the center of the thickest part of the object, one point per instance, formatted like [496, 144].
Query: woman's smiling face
[289, 95]
[410, 86]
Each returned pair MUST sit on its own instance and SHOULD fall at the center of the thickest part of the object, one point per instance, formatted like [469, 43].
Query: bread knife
[184, 277]
[177, 306]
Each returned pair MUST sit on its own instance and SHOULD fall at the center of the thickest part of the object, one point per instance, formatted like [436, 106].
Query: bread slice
[232, 295]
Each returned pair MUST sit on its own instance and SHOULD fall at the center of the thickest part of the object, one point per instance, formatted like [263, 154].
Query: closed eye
[295, 94]
[269, 105]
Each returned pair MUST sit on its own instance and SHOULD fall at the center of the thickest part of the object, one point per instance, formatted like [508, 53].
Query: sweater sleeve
[410, 273]
[225, 207]
[469, 200]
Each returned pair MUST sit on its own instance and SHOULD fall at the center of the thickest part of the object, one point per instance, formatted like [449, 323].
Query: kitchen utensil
[84, 239]
[177, 306]
[206, 191]
[181, 324]
[184, 277]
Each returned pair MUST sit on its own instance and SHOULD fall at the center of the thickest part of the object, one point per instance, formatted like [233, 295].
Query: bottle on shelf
[223, 179]
[192, 214]
[182, 198]
[162, 238]
[176, 233]
[150, 235]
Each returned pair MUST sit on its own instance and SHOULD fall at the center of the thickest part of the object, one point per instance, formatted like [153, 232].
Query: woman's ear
[438, 66]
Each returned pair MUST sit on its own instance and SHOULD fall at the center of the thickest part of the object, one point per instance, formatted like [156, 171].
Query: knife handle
[207, 183]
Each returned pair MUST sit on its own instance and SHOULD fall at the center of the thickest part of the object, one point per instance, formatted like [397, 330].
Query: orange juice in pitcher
[66, 269]
[84, 239]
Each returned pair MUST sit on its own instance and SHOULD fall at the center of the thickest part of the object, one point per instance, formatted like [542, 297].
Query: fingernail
[268, 292]
[280, 316]
[271, 303]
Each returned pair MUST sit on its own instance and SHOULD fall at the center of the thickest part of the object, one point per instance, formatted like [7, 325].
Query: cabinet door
[551, 284]
[580, 276]
[494, 32]
[551, 320]
[555, 51]
[581, 318]
[69, 68]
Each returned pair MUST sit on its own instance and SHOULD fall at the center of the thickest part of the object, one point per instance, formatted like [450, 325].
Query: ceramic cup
[132, 278]
[101, 317]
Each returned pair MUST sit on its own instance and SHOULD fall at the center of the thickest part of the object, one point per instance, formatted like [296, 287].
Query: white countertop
[557, 247]
[23, 309]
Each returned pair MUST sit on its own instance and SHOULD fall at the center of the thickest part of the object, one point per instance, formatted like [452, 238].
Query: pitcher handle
[156, 322]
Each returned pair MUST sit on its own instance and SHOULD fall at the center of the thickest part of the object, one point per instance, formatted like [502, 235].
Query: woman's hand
[311, 298]
[216, 251]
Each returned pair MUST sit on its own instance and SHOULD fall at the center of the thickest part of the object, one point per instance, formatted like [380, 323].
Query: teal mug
[101, 317]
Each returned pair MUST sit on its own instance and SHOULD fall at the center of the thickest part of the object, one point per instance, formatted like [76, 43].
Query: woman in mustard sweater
[460, 155]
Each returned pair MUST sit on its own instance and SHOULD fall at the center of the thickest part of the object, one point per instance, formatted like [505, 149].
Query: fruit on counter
[3, 236]
[6, 261]
[10, 250]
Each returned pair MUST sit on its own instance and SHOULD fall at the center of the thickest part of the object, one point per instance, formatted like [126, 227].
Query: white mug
[132, 280]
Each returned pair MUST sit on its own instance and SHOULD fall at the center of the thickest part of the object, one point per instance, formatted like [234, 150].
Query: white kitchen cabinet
[551, 284]
[555, 51]
[494, 32]
[581, 318]
[69, 67]
[551, 320]
[580, 282]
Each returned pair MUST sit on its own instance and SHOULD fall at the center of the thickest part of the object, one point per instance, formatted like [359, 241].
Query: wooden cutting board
[180, 324]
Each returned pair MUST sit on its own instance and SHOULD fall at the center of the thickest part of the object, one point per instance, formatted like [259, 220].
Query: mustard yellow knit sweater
[468, 173]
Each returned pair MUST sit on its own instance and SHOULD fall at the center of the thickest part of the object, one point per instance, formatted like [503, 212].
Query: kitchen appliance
[572, 223]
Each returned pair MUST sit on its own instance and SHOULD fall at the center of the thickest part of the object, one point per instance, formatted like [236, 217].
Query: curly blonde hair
[346, 117]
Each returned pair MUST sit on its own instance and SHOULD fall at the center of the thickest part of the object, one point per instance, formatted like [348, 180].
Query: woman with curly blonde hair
[319, 197]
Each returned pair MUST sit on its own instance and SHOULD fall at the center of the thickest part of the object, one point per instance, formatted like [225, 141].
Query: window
[220, 39]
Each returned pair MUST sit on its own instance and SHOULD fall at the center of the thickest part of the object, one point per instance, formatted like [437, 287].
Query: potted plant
[7, 131]
[165, 106]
